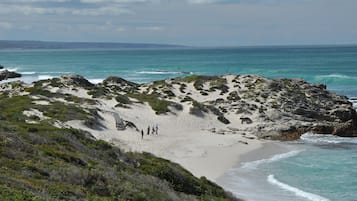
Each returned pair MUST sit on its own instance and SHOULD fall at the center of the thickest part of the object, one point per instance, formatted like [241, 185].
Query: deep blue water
[322, 171]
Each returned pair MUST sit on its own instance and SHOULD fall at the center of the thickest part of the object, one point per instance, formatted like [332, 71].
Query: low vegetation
[160, 106]
[43, 162]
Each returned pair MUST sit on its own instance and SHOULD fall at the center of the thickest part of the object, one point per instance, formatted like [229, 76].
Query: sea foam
[255, 164]
[300, 193]
[28, 73]
[44, 77]
[9, 69]
[95, 81]
[326, 139]
[164, 72]
[336, 76]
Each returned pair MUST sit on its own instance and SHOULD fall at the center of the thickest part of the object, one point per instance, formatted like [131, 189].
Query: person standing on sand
[153, 130]
[157, 129]
[142, 134]
[148, 130]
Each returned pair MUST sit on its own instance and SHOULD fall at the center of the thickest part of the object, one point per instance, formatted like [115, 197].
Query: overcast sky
[186, 22]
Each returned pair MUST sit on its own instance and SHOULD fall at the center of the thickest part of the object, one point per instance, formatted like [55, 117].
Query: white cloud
[120, 29]
[201, 1]
[150, 28]
[114, 1]
[35, 1]
[31, 10]
[6, 25]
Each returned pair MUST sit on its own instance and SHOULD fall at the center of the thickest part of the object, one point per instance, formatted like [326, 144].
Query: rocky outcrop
[117, 83]
[1, 67]
[281, 109]
[269, 108]
[76, 80]
[5, 74]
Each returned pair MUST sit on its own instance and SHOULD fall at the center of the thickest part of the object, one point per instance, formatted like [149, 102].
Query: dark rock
[223, 119]
[130, 125]
[246, 120]
[233, 96]
[219, 101]
[77, 80]
[118, 81]
[323, 129]
[5, 74]
[1, 66]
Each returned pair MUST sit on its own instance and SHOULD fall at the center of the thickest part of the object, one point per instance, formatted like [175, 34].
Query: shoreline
[241, 175]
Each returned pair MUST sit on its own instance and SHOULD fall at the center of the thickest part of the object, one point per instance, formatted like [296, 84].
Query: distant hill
[5, 44]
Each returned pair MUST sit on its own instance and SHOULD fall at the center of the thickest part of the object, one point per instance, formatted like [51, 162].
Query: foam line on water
[44, 77]
[27, 73]
[9, 69]
[300, 193]
[326, 139]
[163, 72]
[255, 164]
[336, 76]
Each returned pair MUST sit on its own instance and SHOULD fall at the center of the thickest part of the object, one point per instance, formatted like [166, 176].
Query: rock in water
[1, 66]
[4, 75]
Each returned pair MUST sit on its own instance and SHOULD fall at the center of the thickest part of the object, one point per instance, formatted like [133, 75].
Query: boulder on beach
[5, 74]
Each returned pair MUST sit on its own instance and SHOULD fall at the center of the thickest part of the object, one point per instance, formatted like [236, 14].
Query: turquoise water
[320, 169]
[334, 66]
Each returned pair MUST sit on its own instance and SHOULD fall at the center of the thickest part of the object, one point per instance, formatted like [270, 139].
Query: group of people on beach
[154, 129]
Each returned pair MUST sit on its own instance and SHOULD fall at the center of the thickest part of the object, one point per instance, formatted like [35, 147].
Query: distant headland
[29, 44]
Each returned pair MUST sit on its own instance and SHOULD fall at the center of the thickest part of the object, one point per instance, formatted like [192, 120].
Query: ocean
[317, 168]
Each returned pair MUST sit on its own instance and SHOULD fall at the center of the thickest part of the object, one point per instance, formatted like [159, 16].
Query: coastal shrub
[198, 109]
[183, 88]
[187, 99]
[203, 93]
[219, 83]
[98, 92]
[122, 106]
[122, 99]
[177, 106]
[63, 112]
[180, 179]
[223, 119]
[56, 82]
[8, 193]
[40, 91]
[169, 93]
[160, 106]
[44, 162]
[233, 96]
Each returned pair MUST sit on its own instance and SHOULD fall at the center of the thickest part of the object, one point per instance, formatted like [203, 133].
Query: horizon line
[169, 45]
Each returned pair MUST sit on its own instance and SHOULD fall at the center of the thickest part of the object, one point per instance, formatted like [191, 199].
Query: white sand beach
[204, 146]
[183, 139]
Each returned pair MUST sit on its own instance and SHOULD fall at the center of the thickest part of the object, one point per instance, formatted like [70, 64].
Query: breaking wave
[255, 164]
[44, 77]
[327, 139]
[300, 193]
[165, 72]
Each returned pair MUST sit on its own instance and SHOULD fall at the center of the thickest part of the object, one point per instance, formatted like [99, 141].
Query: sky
[183, 22]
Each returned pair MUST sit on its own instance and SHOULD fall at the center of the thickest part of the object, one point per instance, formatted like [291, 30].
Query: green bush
[160, 106]
[122, 99]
